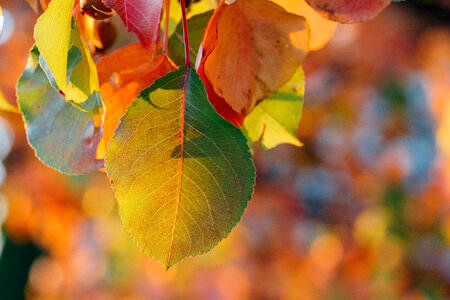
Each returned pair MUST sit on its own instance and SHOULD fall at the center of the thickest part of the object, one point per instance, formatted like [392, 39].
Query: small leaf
[196, 28]
[123, 74]
[6, 106]
[251, 49]
[54, 43]
[349, 11]
[321, 28]
[275, 120]
[141, 17]
[63, 136]
[182, 174]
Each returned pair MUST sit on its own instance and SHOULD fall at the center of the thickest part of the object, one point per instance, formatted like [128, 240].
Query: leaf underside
[181, 173]
[141, 17]
[63, 136]
[349, 11]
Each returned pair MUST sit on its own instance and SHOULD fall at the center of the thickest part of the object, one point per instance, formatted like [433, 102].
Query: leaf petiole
[185, 33]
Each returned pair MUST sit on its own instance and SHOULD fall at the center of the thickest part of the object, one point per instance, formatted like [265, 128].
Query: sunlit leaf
[54, 43]
[275, 120]
[349, 11]
[63, 136]
[6, 106]
[141, 17]
[254, 48]
[321, 28]
[182, 174]
[196, 28]
[123, 74]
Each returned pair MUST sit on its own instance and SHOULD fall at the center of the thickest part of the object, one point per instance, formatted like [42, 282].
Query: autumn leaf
[182, 174]
[196, 28]
[257, 48]
[141, 17]
[63, 136]
[54, 43]
[275, 120]
[321, 28]
[349, 11]
[123, 74]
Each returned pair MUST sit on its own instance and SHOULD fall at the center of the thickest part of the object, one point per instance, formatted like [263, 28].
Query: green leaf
[182, 174]
[54, 36]
[196, 28]
[6, 106]
[275, 120]
[63, 136]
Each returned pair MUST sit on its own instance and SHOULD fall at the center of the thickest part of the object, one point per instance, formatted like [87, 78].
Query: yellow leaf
[54, 37]
[84, 78]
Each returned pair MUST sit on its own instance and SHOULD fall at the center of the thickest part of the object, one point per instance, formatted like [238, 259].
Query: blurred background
[361, 211]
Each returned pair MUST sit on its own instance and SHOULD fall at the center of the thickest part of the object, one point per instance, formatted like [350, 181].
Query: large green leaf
[196, 28]
[55, 34]
[275, 120]
[63, 136]
[182, 174]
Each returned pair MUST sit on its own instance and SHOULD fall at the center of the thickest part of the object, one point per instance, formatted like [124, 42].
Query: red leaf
[219, 103]
[349, 11]
[139, 16]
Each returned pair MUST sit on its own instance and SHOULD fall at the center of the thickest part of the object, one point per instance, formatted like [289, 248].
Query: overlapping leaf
[141, 17]
[123, 74]
[275, 120]
[54, 35]
[257, 48]
[63, 136]
[349, 11]
[321, 28]
[182, 174]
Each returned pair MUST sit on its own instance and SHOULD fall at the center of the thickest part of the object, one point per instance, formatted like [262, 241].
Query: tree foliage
[173, 137]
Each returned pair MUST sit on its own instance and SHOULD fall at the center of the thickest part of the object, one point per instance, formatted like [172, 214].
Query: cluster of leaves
[174, 139]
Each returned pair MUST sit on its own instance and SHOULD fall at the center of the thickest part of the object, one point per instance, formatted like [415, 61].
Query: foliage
[182, 173]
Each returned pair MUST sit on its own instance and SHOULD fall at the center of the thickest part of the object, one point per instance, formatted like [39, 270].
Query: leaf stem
[185, 33]
[166, 26]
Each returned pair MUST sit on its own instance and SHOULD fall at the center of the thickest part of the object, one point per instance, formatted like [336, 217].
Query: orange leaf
[321, 28]
[122, 75]
[253, 48]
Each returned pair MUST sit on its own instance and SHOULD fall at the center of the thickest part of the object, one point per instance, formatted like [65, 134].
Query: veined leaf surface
[141, 17]
[275, 120]
[182, 174]
[123, 74]
[63, 136]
